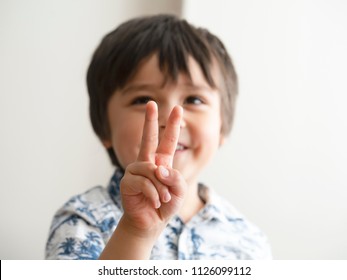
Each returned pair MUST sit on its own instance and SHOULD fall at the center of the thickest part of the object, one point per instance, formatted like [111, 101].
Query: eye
[141, 100]
[195, 100]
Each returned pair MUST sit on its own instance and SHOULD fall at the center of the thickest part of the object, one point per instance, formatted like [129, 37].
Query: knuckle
[131, 168]
[176, 176]
[171, 138]
[151, 138]
[145, 182]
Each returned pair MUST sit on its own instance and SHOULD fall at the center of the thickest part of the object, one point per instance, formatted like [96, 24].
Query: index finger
[168, 142]
[150, 132]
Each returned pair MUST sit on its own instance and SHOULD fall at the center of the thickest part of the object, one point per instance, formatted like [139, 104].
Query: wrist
[127, 243]
[140, 232]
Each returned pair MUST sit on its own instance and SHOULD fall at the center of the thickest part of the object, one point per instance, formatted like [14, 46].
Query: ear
[221, 140]
[107, 143]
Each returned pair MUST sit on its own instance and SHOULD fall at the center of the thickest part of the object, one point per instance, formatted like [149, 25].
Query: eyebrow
[149, 87]
[139, 87]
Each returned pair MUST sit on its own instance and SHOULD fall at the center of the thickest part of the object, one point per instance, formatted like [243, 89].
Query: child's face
[200, 134]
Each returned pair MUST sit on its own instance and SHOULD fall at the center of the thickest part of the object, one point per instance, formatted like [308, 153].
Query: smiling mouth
[180, 147]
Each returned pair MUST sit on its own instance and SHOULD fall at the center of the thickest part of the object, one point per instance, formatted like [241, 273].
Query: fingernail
[157, 204]
[163, 171]
[167, 197]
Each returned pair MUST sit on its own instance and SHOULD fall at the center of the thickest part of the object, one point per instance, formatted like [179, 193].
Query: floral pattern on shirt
[82, 227]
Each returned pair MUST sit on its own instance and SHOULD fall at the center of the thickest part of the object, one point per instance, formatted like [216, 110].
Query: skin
[163, 133]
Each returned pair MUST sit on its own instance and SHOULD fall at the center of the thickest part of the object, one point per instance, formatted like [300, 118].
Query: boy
[162, 96]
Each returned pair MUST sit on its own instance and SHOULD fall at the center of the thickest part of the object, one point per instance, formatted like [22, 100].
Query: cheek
[211, 140]
[207, 137]
[126, 141]
[212, 130]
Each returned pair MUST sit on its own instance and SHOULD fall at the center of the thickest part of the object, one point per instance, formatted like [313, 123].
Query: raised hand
[152, 191]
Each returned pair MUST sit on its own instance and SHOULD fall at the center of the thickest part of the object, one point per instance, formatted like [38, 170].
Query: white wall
[285, 163]
[48, 151]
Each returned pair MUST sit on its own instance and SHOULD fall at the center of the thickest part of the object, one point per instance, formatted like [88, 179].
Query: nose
[164, 112]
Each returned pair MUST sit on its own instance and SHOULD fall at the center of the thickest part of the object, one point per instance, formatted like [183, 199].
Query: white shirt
[82, 227]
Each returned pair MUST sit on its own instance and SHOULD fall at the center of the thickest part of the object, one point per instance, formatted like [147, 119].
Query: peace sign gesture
[152, 191]
[164, 153]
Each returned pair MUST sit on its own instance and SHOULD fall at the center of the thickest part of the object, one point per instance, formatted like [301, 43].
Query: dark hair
[117, 58]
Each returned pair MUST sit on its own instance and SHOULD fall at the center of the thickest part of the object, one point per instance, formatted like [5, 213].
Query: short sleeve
[74, 239]
[82, 226]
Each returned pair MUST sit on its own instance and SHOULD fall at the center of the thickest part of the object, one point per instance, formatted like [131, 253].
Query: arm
[152, 191]
[126, 244]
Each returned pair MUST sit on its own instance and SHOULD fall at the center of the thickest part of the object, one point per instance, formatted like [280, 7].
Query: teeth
[179, 147]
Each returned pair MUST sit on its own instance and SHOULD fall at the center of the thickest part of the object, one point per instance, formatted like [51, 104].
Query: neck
[192, 203]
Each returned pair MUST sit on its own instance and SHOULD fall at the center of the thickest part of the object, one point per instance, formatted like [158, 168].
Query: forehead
[148, 72]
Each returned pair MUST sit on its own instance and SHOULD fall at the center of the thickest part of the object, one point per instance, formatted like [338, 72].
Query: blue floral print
[82, 227]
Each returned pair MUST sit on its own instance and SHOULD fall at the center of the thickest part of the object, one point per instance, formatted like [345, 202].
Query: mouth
[180, 147]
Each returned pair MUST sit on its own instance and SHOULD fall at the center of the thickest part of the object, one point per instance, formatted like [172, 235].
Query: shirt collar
[114, 187]
[214, 206]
